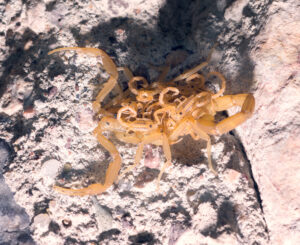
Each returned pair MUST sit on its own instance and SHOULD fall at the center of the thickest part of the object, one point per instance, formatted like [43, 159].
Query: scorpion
[159, 113]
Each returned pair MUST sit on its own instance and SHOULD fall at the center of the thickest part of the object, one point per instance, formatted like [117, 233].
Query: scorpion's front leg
[160, 139]
[245, 101]
[198, 132]
[137, 159]
[168, 155]
[189, 125]
[108, 65]
[189, 72]
[111, 173]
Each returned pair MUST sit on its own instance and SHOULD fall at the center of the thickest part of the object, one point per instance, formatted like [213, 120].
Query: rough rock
[274, 147]
[46, 122]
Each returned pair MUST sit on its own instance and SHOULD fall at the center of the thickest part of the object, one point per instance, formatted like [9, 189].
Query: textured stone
[257, 51]
[273, 146]
[14, 221]
[5, 154]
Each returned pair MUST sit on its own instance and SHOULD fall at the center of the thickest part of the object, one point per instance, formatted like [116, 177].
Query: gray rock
[274, 146]
[45, 114]
[5, 154]
[14, 221]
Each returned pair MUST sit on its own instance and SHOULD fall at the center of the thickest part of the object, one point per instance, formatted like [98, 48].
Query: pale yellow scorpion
[159, 113]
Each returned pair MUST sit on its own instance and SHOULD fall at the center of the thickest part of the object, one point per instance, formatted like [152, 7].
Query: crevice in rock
[255, 185]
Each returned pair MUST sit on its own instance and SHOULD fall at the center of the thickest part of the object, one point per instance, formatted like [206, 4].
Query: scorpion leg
[154, 137]
[164, 92]
[207, 124]
[223, 83]
[192, 71]
[127, 72]
[137, 160]
[132, 84]
[168, 155]
[189, 72]
[197, 78]
[245, 101]
[164, 73]
[193, 127]
[162, 70]
[108, 86]
[108, 65]
[110, 176]
[203, 135]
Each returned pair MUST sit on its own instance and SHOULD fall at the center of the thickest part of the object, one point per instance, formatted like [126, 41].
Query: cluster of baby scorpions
[159, 113]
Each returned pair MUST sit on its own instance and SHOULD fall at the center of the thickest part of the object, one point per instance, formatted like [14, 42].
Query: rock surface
[274, 147]
[46, 122]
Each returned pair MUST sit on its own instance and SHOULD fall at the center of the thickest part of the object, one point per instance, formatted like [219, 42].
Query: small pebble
[28, 44]
[29, 112]
[41, 222]
[66, 223]
[50, 168]
[52, 92]
[68, 144]
[103, 217]
[85, 120]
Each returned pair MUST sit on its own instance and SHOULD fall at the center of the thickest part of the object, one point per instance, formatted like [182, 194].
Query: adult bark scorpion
[159, 113]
